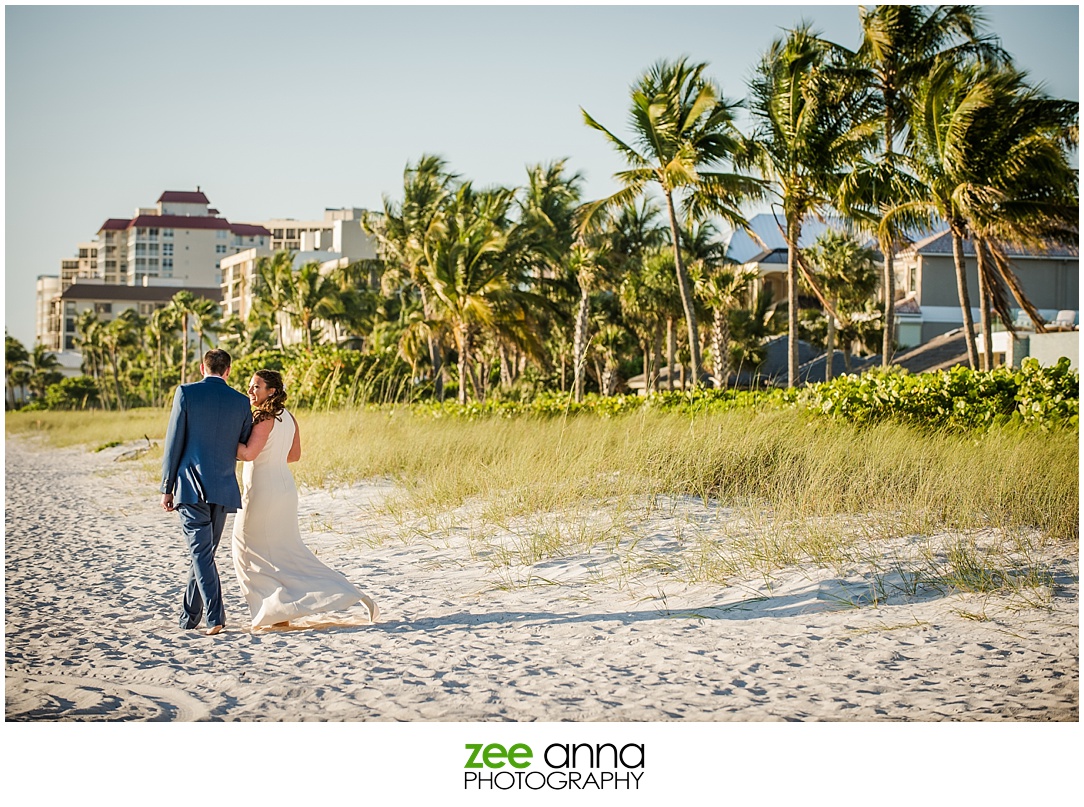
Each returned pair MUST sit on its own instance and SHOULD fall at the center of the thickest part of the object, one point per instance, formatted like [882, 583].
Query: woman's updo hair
[276, 401]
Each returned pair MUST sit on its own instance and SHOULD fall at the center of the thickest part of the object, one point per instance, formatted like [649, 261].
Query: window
[103, 308]
[220, 249]
[221, 233]
[167, 263]
[167, 233]
[167, 249]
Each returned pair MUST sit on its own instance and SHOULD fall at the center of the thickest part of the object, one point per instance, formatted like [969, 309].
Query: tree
[722, 287]
[206, 316]
[989, 153]
[162, 328]
[183, 306]
[404, 233]
[122, 332]
[271, 289]
[313, 296]
[682, 128]
[900, 46]
[44, 370]
[808, 133]
[15, 358]
[848, 275]
[1024, 190]
[466, 268]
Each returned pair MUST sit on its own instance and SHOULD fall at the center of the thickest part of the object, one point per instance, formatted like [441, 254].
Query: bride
[280, 578]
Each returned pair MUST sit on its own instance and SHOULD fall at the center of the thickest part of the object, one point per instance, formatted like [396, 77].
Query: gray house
[926, 279]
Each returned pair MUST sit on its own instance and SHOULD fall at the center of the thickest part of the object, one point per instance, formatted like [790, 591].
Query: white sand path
[94, 571]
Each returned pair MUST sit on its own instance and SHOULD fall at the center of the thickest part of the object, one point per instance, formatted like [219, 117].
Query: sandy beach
[94, 570]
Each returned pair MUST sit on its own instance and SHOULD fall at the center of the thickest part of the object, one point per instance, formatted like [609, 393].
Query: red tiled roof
[118, 292]
[115, 224]
[185, 197]
[181, 222]
[249, 229]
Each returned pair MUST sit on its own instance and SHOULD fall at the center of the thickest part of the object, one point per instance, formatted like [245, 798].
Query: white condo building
[177, 244]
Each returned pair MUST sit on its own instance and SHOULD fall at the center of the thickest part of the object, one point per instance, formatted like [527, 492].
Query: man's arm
[176, 434]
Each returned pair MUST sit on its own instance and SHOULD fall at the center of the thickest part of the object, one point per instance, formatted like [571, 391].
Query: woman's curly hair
[276, 401]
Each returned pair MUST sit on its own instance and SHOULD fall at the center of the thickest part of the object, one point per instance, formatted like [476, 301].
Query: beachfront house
[926, 280]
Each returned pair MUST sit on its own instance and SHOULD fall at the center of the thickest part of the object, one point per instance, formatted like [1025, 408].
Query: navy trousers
[202, 526]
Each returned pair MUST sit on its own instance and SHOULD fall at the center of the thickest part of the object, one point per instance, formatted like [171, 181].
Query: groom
[208, 420]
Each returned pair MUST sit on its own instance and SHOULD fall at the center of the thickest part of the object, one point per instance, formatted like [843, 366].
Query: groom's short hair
[217, 361]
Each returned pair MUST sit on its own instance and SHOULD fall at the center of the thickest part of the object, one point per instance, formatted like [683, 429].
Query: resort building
[178, 243]
[107, 301]
[340, 231]
[181, 238]
[335, 242]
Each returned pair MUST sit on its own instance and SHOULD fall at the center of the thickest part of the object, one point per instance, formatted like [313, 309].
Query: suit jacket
[208, 420]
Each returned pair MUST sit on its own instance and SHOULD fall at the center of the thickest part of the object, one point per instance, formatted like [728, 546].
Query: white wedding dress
[279, 576]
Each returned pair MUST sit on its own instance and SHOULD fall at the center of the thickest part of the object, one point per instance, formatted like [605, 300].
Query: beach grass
[744, 494]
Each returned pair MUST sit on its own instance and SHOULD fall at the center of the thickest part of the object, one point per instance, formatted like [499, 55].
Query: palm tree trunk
[830, 343]
[965, 299]
[670, 353]
[435, 358]
[685, 290]
[506, 364]
[795, 232]
[720, 349]
[984, 308]
[579, 344]
[888, 251]
[888, 343]
[464, 353]
[656, 359]
[184, 349]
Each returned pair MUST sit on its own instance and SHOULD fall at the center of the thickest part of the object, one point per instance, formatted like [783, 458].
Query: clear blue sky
[283, 111]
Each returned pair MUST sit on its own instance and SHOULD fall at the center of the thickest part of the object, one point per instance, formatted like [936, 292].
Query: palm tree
[271, 291]
[808, 133]
[682, 128]
[723, 287]
[990, 153]
[900, 46]
[183, 306]
[44, 369]
[848, 275]
[1024, 192]
[403, 234]
[161, 327]
[313, 296]
[15, 357]
[206, 317]
[583, 263]
[465, 267]
[122, 332]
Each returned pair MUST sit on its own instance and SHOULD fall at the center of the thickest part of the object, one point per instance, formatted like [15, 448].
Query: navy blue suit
[199, 467]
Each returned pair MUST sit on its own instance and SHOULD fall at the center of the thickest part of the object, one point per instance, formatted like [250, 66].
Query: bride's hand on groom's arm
[256, 441]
